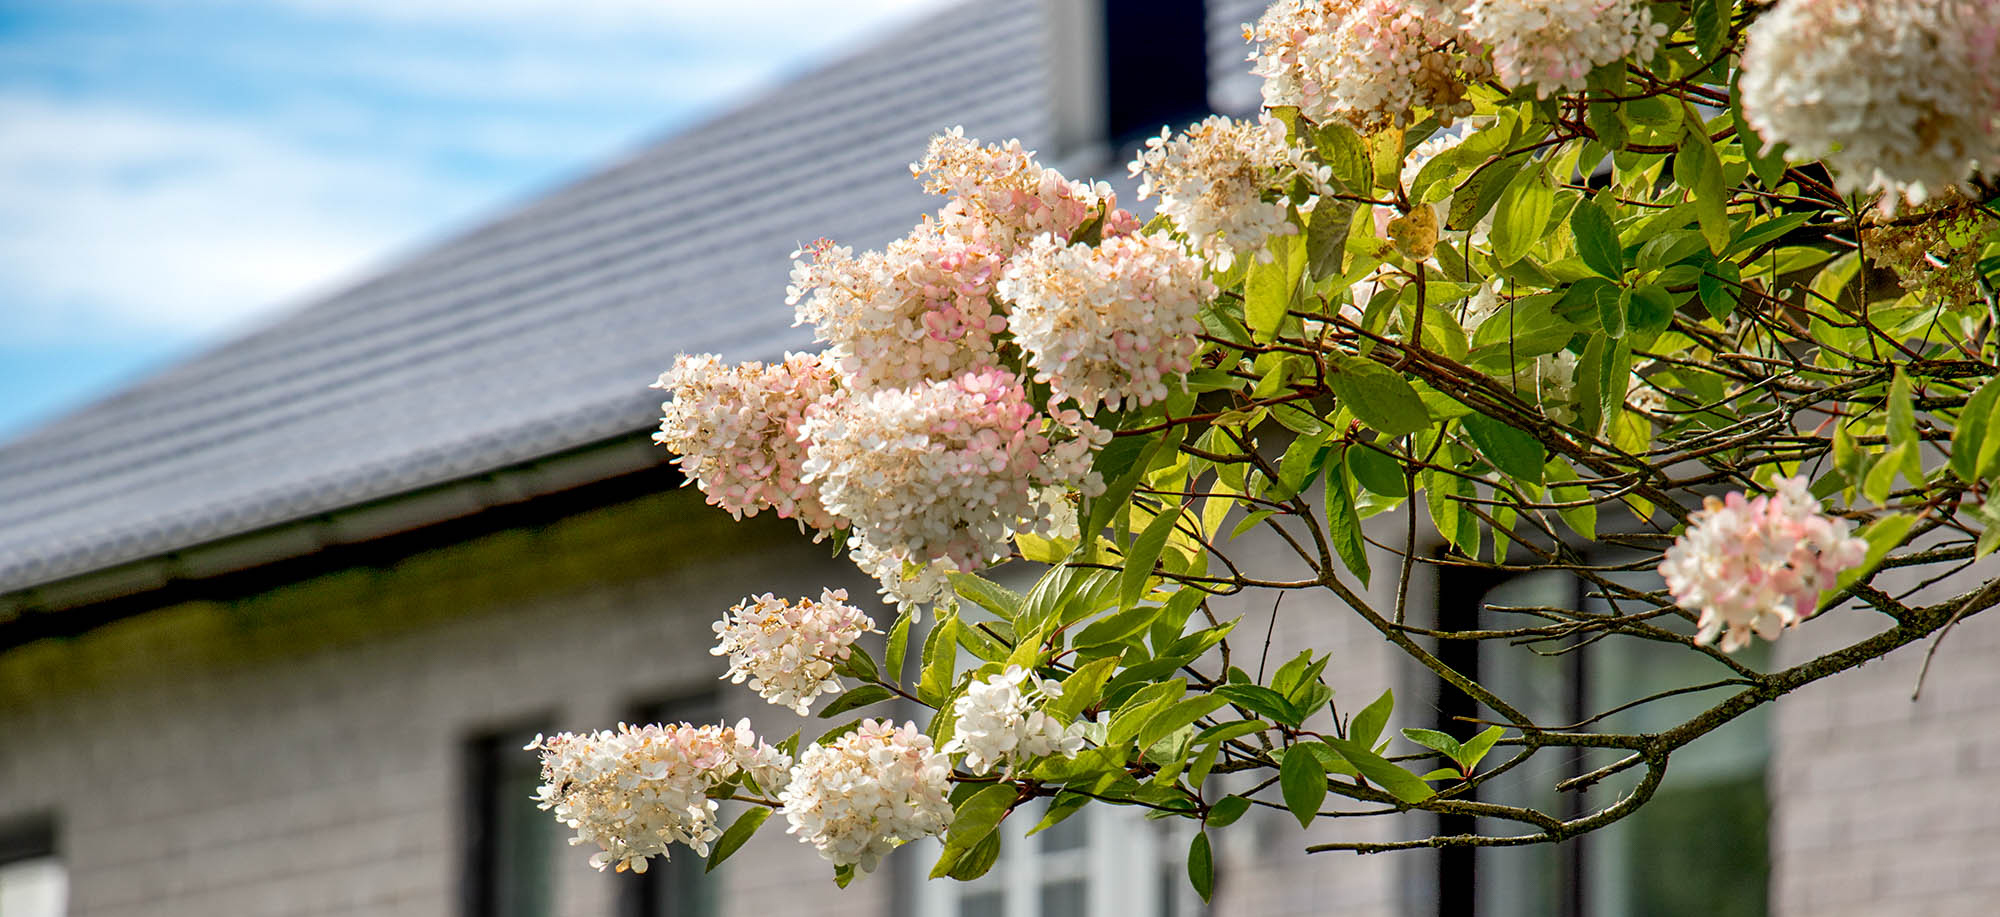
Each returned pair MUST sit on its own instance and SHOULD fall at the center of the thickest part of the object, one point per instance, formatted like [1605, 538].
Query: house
[275, 622]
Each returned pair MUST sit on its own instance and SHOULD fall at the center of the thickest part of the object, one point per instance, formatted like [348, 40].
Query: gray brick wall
[1884, 805]
[301, 753]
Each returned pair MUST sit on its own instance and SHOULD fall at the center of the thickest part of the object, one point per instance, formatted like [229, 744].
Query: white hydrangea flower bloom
[737, 429]
[633, 791]
[788, 652]
[1554, 44]
[1213, 180]
[998, 722]
[1757, 566]
[1901, 96]
[1371, 63]
[866, 792]
[918, 310]
[1013, 196]
[940, 476]
[1107, 323]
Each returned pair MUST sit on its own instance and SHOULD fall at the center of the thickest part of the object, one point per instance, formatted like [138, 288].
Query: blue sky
[173, 171]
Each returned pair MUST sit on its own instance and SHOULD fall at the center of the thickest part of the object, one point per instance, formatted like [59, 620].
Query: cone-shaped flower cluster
[944, 472]
[999, 723]
[859, 796]
[1552, 44]
[1758, 565]
[1901, 96]
[1219, 182]
[1107, 323]
[737, 432]
[788, 652]
[634, 790]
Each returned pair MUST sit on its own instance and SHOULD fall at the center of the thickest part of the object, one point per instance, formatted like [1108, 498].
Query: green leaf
[1881, 479]
[1698, 169]
[1326, 237]
[1581, 519]
[1201, 866]
[1116, 627]
[1476, 748]
[976, 862]
[1378, 396]
[1223, 732]
[1711, 25]
[733, 838]
[1343, 150]
[1767, 231]
[1140, 707]
[1523, 212]
[842, 875]
[1368, 724]
[1262, 701]
[1611, 305]
[1902, 413]
[979, 814]
[1718, 287]
[1145, 551]
[1434, 740]
[1302, 780]
[1178, 716]
[1343, 525]
[1061, 807]
[1376, 471]
[1479, 192]
[1511, 450]
[1597, 240]
[1226, 811]
[940, 656]
[1398, 782]
[1650, 311]
[1268, 291]
[1978, 423]
[859, 697]
[1082, 688]
[1005, 603]
[899, 643]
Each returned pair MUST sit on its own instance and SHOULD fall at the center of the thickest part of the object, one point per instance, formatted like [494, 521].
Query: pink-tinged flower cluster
[859, 796]
[941, 473]
[788, 652]
[918, 310]
[998, 722]
[1553, 44]
[1901, 96]
[1223, 182]
[1108, 323]
[1758, 565]
[1371, 63]
[1016, 198]
[634, 790]
[737, 432]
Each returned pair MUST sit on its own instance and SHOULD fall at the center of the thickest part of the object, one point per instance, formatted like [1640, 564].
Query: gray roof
[530, 335]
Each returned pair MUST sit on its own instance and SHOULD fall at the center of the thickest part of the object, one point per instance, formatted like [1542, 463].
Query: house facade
[275, 623]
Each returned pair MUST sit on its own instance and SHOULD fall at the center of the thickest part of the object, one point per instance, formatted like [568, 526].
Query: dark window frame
[481, 754]
[28, 837]
[1460, 600]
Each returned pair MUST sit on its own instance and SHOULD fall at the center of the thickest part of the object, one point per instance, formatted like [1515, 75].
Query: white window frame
[1122, 861]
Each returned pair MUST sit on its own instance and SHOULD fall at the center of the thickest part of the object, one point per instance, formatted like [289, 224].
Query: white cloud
[122, 217]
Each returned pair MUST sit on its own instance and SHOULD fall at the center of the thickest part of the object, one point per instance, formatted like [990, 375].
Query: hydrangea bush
[1691, 301]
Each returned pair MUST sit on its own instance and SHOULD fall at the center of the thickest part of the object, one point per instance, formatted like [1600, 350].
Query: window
[677, 887]
[1713, 797]
[509, 842]
[1101, 860]
[33, 882]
